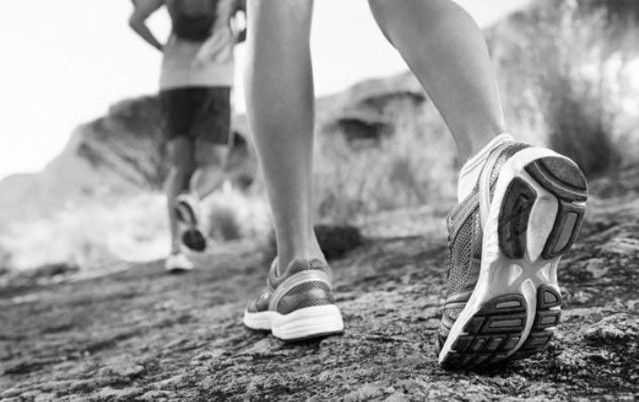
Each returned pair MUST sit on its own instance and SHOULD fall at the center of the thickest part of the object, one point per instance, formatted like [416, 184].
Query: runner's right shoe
[187, 212]
[506, 239]
[297, 305]
[178, 263]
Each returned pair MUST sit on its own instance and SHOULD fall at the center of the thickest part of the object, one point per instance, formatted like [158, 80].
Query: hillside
[568, 75]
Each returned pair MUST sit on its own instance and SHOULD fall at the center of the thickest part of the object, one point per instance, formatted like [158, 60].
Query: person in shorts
[195, 86]
[519, 208]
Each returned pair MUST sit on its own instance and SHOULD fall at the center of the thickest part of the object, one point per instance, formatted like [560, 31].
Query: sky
[64, 62]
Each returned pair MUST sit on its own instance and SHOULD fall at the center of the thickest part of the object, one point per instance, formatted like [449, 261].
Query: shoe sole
[177, 271]
[515, 306]
[305, 323]
[194, 240]
[192, 237]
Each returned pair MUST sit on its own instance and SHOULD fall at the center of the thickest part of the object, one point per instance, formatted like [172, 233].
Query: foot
[178, 263]
[297, 305]
[188, 214]
[506, 239]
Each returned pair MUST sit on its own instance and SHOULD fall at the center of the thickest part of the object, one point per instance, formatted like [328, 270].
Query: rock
[205, 356]
[119, 395]
[337, 240]
[364, 393]
[397, 397]
[44, 397]
[597, 267]
[157, 396]
[55, 269]
[615, 329]
[264, 347]
[579, 297]
[121, 153]
[334, 240]
[172, 382]
[121, 367]
[621, 245]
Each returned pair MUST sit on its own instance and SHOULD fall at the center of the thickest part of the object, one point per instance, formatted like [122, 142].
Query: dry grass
[412, 164]
[133, 229]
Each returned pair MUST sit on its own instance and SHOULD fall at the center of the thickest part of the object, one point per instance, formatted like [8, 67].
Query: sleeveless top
[199, 51]
[194, 27]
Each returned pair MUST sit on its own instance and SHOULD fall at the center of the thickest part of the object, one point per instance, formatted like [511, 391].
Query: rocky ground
[141, 335]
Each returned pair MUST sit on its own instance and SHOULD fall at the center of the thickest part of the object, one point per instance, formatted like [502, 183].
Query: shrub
[410, 165]
[567, 75]
[223, 224]
[580, 133]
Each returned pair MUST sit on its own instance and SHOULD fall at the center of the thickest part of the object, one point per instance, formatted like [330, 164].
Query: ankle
[469, 173]
[287, 255]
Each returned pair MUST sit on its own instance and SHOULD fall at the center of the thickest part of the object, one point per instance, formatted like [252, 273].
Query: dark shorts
[197, 113]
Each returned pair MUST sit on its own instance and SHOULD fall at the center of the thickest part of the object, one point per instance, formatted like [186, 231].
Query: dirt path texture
[142, 335]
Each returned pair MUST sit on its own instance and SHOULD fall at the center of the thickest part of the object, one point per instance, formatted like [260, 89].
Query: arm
[137, 21]
[238, 21]
[219, 46]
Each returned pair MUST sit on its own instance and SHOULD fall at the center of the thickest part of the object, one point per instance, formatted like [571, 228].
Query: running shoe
[188, 214]
[178, 263]
[505, 240]
[297, 305]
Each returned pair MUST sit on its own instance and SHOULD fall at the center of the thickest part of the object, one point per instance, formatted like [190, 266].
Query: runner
[520, 207]
[195, 86]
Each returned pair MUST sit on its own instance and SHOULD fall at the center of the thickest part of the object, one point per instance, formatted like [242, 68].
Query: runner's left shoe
[506, 239]
[296, 305]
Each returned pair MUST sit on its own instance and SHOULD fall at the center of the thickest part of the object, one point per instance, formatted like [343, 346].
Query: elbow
[241, 37]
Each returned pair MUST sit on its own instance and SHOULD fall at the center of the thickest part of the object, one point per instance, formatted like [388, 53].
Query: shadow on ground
[141, 335]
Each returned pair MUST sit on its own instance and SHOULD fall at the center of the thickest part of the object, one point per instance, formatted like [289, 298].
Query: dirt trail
[141, 335]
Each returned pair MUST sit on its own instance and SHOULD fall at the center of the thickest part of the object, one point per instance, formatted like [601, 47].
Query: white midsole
[500, 275]
[303, 323]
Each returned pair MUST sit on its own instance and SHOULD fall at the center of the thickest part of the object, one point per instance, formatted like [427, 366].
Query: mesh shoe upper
[305, 283]
[465, 240]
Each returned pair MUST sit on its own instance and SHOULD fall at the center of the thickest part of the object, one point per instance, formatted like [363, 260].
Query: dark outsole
[194, 240]
[493, 333]
[178, 271]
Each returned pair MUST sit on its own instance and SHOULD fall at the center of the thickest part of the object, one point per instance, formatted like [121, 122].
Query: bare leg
[280, 103]
[182, 166]
[445, 49]
[210, 162]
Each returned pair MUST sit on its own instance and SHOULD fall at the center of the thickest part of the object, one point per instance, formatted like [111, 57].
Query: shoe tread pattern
[496, 329]
[194, 240]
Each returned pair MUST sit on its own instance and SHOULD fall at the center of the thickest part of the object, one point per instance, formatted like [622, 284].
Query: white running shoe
[297, 305]
[177, 263]
[506, 239]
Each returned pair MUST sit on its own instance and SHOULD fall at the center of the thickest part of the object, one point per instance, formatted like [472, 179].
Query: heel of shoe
[563, 179]
[194, 240]
[307, 323]
[555, 178]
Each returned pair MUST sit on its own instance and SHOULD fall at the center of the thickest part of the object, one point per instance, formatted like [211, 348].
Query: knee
[210, 157]
[380, 9]
[183, 168]
[432, 13]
